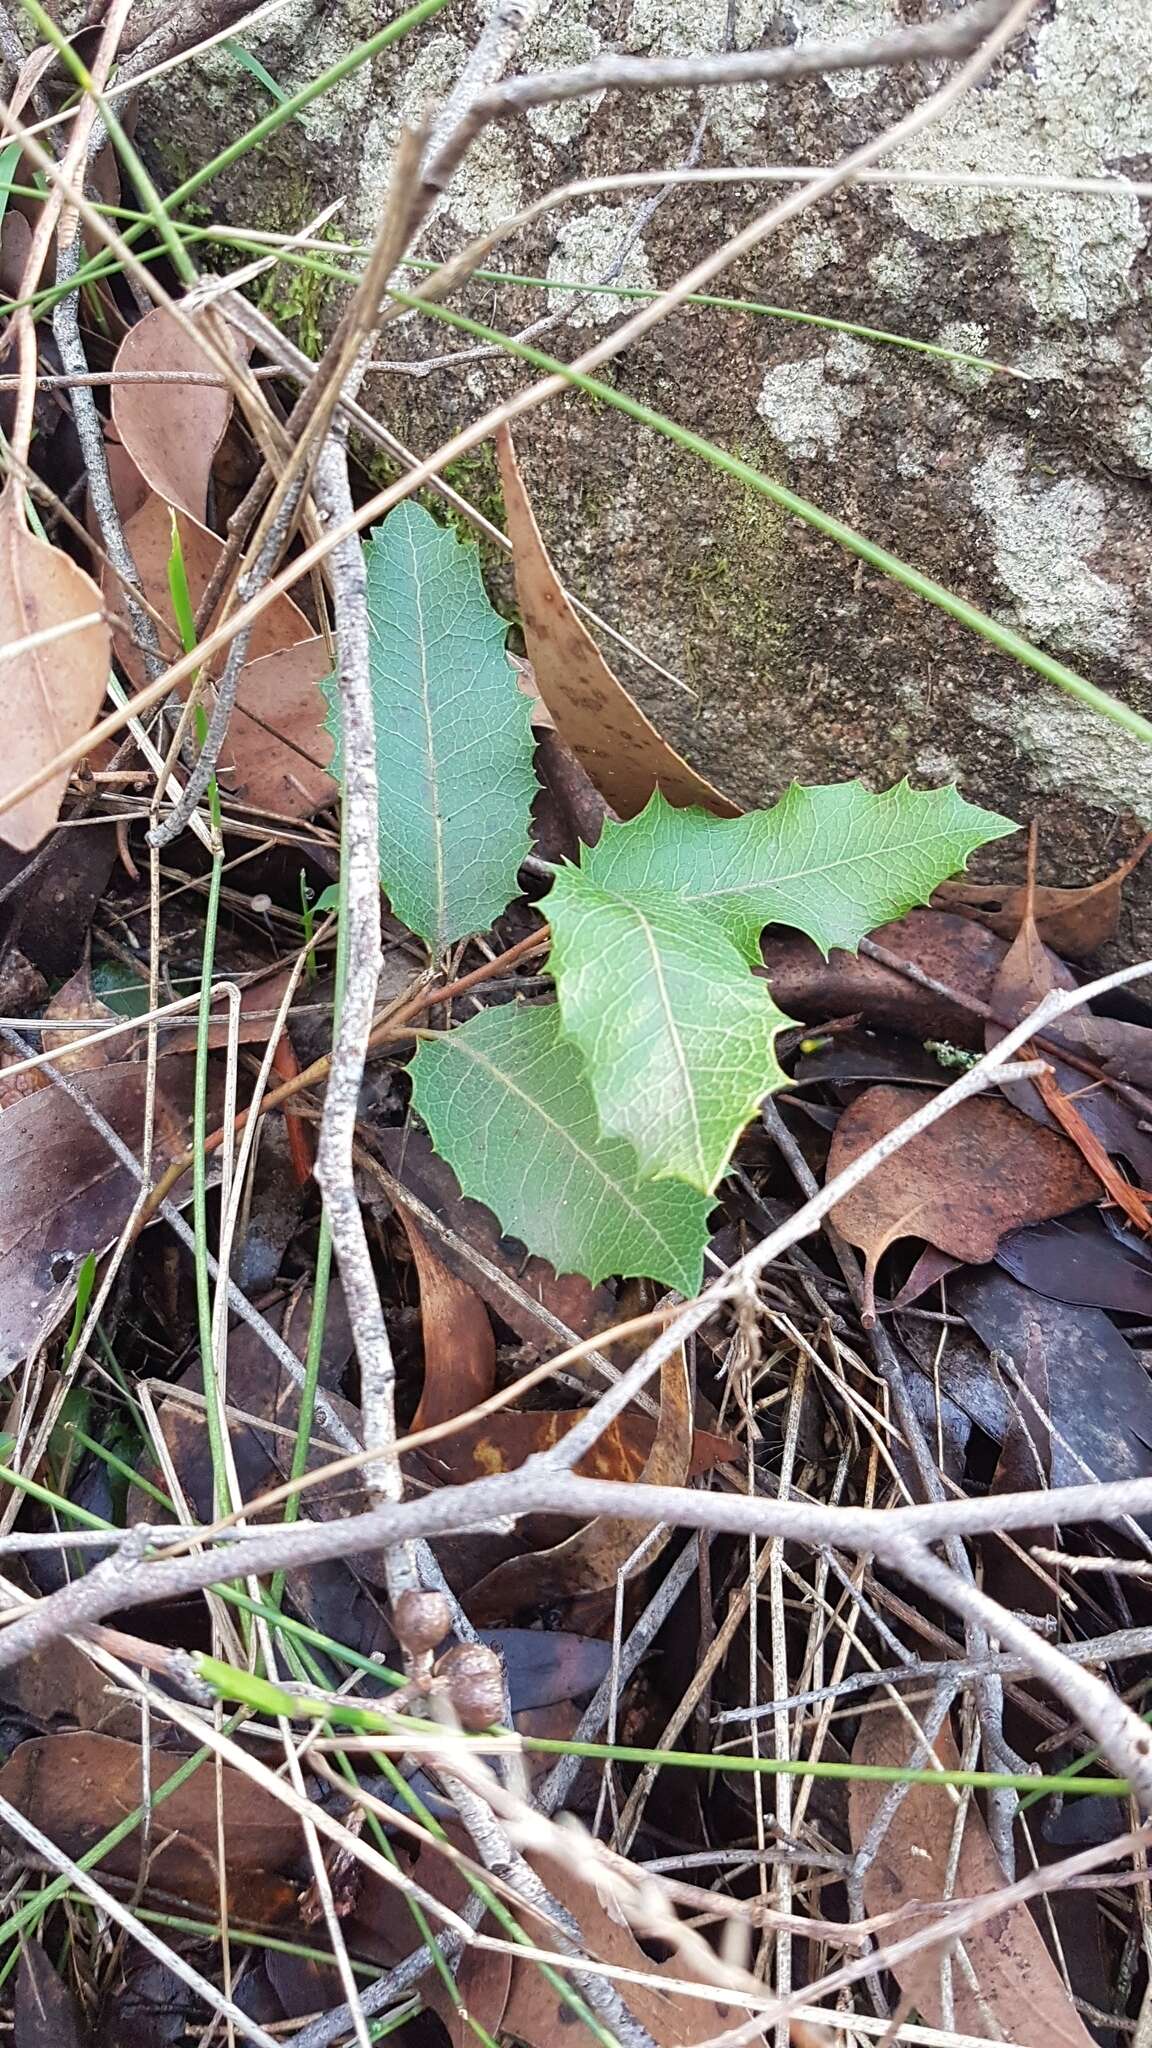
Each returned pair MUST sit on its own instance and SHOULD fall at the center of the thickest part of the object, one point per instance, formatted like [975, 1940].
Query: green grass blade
[1003, 638]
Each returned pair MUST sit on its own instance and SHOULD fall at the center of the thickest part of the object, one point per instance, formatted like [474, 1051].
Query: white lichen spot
[1080, 108]
[808, 404]
[562, 39]
[936, 766]
[1043, 362]
[834, 21]
[1135, 429]
[1069, 746]
[968, 338]
[898, 270]
[690, 28]
[486, 189]
[817, 249]
[1045, 536]
[588, 250]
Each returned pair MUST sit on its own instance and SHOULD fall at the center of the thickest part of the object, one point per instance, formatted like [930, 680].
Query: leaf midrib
[562, 1131]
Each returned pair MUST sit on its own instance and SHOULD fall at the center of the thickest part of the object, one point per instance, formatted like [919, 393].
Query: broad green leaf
[453, 732]
[507, 1102]
[834, 860]
[676, 1034]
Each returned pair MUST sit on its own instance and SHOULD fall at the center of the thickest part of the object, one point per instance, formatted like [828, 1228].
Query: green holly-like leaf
[833, 860]
[453, 732]
[676, 1034]
[507, 1101]
[653, 936]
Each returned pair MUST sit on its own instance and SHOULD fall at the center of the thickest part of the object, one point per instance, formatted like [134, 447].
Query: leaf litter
[568, 1124]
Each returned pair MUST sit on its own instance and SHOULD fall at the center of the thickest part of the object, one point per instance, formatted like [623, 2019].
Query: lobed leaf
[506, 1098]
[453, 733]
[833, 860]
[677, 1035]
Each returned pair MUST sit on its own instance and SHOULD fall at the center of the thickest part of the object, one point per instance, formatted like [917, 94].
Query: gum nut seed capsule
[475, 1684]
[421, 1620]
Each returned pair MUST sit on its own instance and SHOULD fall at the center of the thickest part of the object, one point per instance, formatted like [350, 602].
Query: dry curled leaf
[1066, 1097]
[506, 1440]
[980, 1170]
[51, 693]
[607, 731]
[171, 430]
[1073, 922]
[954, 952]
[1013, 1987]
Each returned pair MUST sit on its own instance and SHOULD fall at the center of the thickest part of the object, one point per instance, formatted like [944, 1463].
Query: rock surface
[1027, 494]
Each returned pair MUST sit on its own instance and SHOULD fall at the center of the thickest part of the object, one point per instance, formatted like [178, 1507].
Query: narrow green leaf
[453, 732]
[833, 861]
[507, 1102]
[677, 1035]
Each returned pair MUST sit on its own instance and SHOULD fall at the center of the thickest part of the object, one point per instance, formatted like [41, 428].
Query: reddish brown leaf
[64, 1193]
[981, 1170]
[505, 1440]
[1073, 922]
[171, 431]
[149, 534]
[1027, 974]
[51, 693]
[279, 747]
[459, 1345]
[76, 1787]
[607, 731]
[591, 1559]
[1013, 1981]
[276, 753]
[954, 952]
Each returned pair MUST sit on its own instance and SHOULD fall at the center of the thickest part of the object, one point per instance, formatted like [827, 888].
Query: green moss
[734, 586]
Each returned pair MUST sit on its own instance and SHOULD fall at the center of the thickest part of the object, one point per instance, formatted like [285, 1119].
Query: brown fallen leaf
[952, 950]
[582, 1308]
[64, 1193]
[1013, 1981]
[45, 2013]
[459, 1343]
[171, 431]
[981, 1170]
[277, 748]
[535, 2014]
[51, 693]
[1073, 922]
[76, 999]
[507, 1439]
[148, 530]
[77, 1787]
[607, 731]
[1091, 1115]
[590, 1559]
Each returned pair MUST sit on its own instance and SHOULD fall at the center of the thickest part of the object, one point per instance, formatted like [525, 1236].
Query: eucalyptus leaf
[506, 1099]
[453, 732]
